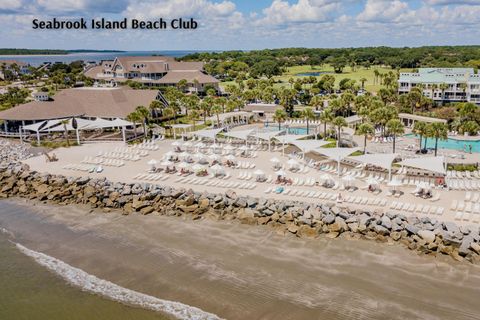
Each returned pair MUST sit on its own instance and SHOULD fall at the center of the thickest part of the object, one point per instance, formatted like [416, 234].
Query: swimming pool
[452, 144]
[291, 130]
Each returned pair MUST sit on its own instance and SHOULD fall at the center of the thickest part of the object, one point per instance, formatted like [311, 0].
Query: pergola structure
[75, 124]
[336, 154]
[432, 164]
[382, 160]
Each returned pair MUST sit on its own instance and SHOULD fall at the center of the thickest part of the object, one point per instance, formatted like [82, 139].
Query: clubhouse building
[443, 85]
[154, 71]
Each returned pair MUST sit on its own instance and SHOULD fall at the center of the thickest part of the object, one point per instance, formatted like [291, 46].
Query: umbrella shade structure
[198, 167]
[229, 147]
[169, 154]
[230, 157]
[336, 154]
[184, 165]
[184, 155]
[292, 163]
[214, 146]
[259, 172]
[432, 164]
[166, 163]
[176, 143]
[326, 177]
[241, 135]
[372, 181]
[217, 168]
[382, 160]
[208, 133]
[214, 157]
[394, 183]
[244, 148]
[152, 162]
[199, 156]
[200, 145]
[187, 144]
[274, 160]
[281, 173]
[348, 180]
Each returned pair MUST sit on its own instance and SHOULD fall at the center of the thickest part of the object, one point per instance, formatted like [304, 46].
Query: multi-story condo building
[154, 71]
[443, 85]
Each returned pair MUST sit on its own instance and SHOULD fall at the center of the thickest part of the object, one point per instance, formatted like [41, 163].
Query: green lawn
[356, 75]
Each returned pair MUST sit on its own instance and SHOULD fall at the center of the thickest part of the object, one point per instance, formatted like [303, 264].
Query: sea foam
[91, 283]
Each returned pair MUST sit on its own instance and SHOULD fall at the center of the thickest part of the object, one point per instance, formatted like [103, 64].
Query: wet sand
[244, 272]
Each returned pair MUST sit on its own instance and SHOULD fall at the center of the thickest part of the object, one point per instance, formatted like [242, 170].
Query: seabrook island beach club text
[104, 24]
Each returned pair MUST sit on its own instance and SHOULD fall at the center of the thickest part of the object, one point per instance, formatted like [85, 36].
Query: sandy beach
[243, 272]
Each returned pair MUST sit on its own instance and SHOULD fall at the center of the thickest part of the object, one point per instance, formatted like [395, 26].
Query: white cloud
[451, 2]
[10, 5]
[281, 11]
[382, 10]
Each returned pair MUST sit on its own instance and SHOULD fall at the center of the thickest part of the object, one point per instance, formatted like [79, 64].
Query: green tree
[193, 116]
[395, 127]
[420, 128]
[135, 118]
[64, 124]
[326, 117]
[279, 116]
[339, 123]
[365, 129]
[217, 109]
[308, 115]
[145, 115]
[437, 130]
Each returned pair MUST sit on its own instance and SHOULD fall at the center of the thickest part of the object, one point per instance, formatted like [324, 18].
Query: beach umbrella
[198, 167]
[230, 157]
[215, 146]
[292, 163]
[187, 144]
[184, 155]
[166, 163]
[244, 148]
[372, 181]
[326, 177]
[200, 145]
[184, 165]
[274, 160]
[176, 144]
[395, 183]
[259, 172]
[217, 168]
[214, 157]
[169, 154]
[281, 173]
[152, 162]
[198, 156]
[348, 179]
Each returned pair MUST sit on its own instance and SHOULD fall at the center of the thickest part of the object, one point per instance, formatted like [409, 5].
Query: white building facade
[443, 85]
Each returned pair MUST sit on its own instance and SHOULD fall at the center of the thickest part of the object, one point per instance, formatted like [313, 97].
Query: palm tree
[365, 129]
[135, 118]
[155, 106]
[437, 130]
[308, 115]
[65, 123]
[395, 127]
[362, 81]
[145, 115]
[443, 87]
[205, 107]
[193, 117]
[420, 128]
[279, 116]
[326, 117]
[217, 109]
[339, 123]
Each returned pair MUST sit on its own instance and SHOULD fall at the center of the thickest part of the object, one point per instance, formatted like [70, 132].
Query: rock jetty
[12, 152]
[422, 234]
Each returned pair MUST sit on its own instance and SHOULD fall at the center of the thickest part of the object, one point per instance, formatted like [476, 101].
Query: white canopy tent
[432, 164]
[382, 160]
[336, 154]
[309, 145]
[268, 135]
[208, 133]
[289, 138]
[241, 135]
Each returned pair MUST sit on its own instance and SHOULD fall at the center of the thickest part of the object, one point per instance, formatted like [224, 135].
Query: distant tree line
[271, 62]
[16, 51]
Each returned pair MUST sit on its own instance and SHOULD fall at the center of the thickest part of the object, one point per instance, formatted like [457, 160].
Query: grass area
[359, 73]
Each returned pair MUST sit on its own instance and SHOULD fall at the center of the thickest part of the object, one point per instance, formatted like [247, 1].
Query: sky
[246, 24]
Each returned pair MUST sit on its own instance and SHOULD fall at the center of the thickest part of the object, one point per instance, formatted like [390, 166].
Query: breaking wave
[91, 283]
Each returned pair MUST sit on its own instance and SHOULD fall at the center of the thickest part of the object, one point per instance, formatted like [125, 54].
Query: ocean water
[30, 291]
[36, 60]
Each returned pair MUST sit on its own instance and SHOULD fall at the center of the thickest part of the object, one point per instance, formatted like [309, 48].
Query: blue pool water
[312, 74]
[291, 130]
[453, 144]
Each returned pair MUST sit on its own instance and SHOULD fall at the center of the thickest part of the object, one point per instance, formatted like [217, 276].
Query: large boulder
[427, 235]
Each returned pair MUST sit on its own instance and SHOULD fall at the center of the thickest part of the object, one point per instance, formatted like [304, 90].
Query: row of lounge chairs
[105, 162]
[141, 153]
[84, 168]
[120, 155]
[244, 165]
[151, 177]
[145, 146]
[219, 183]
[418, 209]
[463, 184]
[463, 174]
